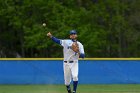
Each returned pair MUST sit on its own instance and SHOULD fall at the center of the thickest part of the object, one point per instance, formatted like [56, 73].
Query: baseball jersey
[68, 53]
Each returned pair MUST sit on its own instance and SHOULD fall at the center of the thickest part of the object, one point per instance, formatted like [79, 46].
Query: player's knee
[75, 78]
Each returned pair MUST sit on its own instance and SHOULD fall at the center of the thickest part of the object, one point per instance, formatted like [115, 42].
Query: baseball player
[72, 50]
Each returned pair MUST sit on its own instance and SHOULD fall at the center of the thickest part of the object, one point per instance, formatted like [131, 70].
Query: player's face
[73, 36]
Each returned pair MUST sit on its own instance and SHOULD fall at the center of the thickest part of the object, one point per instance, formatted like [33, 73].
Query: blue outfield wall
[51, 71]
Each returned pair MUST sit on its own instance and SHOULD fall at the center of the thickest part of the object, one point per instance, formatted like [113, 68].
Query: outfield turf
[123, 88]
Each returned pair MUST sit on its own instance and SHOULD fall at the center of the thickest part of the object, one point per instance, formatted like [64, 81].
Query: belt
[68, 61]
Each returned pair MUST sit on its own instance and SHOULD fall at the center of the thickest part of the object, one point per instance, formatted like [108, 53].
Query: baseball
[44, 24]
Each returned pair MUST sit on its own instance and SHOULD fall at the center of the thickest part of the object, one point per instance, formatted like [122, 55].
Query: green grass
[123, 88]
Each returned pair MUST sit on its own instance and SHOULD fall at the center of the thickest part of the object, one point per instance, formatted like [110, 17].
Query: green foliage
[106, 28]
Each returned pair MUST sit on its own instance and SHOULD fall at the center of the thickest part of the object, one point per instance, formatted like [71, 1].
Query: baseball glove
[75, 47]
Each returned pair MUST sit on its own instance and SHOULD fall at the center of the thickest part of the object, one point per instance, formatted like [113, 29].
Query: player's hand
[75, 47]
[49, 34]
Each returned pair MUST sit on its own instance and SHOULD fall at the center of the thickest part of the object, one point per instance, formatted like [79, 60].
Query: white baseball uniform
[70, 60]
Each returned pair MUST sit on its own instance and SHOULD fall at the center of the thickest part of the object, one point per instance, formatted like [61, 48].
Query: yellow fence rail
[62, 59]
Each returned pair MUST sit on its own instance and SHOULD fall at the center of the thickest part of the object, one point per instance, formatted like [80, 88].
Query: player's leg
[74, 70]
[67, 77]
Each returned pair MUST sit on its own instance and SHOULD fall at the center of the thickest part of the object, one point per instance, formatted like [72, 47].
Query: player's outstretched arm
[53, 38]
[49, 34]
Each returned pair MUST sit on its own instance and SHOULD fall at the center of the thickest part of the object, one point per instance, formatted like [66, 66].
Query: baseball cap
[73, 32]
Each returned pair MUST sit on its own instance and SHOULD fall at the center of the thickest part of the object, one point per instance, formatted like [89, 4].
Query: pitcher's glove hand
[75, 47]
